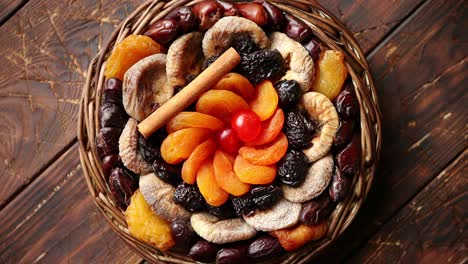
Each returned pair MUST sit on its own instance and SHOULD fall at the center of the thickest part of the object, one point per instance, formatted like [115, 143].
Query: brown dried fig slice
[128, 149]
[145, 86]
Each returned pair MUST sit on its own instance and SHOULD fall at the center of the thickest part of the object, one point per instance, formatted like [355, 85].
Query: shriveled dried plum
[224, 211]
[265, 197]
[149, 148]
[261, 65]
[296, 130]
[112, 115]
[289, 93]
[122, 185]
[112, 92]
[317, 210]
[203, 251]
[243, 205]
[183, 234]
[167, 172]
[244, 44]
[292, 168]
[346, 104]
[107, 141]
[189, 197]
[339, 186]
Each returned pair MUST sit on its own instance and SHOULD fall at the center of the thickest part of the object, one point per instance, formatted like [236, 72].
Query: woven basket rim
[326, 27]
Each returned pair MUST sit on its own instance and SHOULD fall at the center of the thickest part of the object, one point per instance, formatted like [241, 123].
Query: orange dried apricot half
[221, 104]
[199, 154]
[253, 174]
[267, 154]
[331, 74]
[266, 100]
[179, 145]
[225, 176]
[270, 129]
[238, 84]
[193, 119]
[296, 237]
[214, 195]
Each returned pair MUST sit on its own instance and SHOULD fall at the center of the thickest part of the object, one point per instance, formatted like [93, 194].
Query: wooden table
[416, 212]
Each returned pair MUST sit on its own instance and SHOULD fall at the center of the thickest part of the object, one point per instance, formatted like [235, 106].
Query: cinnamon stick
[204, 81]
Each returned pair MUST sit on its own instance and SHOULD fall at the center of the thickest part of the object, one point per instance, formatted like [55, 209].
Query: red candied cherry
[246, 124]
[228, 140]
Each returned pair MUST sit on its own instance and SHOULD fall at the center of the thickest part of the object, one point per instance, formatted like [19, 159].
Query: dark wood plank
[54, 220]
[8, 8]
[432, 228]
[46, 47]
[421, 74]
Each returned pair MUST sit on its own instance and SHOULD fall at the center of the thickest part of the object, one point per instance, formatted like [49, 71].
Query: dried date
[317, 210]
[122, 185]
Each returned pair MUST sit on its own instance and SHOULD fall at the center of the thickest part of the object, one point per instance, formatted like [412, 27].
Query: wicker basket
[328, 29]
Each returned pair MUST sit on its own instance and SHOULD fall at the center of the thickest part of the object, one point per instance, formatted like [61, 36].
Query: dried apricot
[270, 129]
[132, 49]
[331, 74]
[199, 154]
[238, 84]
[145, 225]
[225, 176]
[221, 104]
[296, 237]
[267, 154]
[266, 100]
[179, 145]
[214, 195]
[253, 174]
[193, 119]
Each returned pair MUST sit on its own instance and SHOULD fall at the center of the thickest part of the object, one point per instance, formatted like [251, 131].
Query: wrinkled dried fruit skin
[228, 8]
[276, 20]
[167, 172]
[314, 49]
[203, 251]
[122, 186]
[316, 210]
[244, 44]
[339, 186]
[109, 163]
[224, 211]
[264, 247]
[236, 253]
[343, 134]
[208, 12]
[265, 197]
[296, 29]
[112, 92]
[184, 16]
[289, 93]
[189, 197]
[254, 12]
[346, 104]
[149, 148]
[112, 115]
[183, 235]
[348, 160]
[261, 65]
[107, 141]
[296, 130]
[243, 205]
[164, 31]
[292, 168]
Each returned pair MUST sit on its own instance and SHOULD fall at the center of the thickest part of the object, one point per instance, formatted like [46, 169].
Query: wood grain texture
[54, 220]
[421, 77]
[432, 228]
[46, 48]
[8, 8]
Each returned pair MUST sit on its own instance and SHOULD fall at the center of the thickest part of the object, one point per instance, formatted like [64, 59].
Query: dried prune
[339, 186]
[122, 185]
[235, 253]
[314, 49]
[276, 18]
[292, 168]
[346, 104]
[348, 160]
[183, 234]
[311, 124]
[208, 61]
[185, 16]
[265, 197]
[167, 172]
[109, 163]
[296, 29]
[243, 205]
[264, 247]
[203, 251]
[149, 148]
[112, 115]
[343, 134]
[224, 211]
[296, 130]
[107, 141]
[261, 65]
[189, 197]
[112, 92]
[289, 93]
[317, 210]
[244, 44]
[164, 31]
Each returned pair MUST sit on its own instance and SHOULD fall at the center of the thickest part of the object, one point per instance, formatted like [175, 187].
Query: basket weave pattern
[326, 28]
